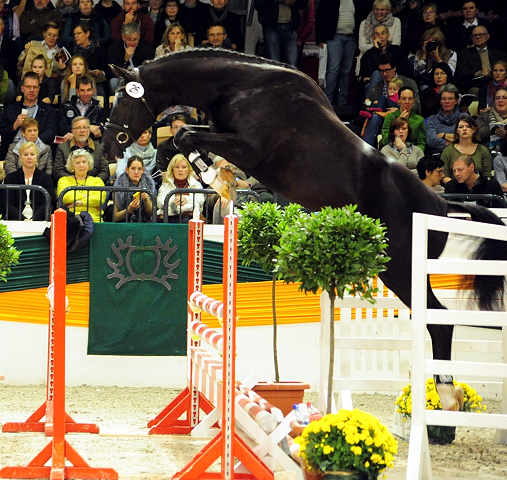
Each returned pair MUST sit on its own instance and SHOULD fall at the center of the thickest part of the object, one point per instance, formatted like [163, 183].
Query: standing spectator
[129, 52]
[475, 62]
[32, 22]
[29, 107]
[466, 142]
[440, 127]
[9, 53]
[382, 15]
[155, 9]
[306, 25]
[80, 141]
[31, 205]
[336, 25]
[131, 14]
[11, 21]
[492, 124]
[108, 10]
[66, 8]
[487, 92]
[85, 15]
[219, 12]
[168, 16]
[280, 21]
[82, 105]
[193, 16]
[173, 40]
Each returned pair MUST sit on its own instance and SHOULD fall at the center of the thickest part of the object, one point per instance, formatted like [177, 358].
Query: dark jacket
[46, 116]
[98, 27]
[165, 152]
[484, 185]
[268, 12]
[231, 23]
[469, 62]
[9, 53]
[68, 111]
[145, 22]
[37, 199]
[369, 61]
[116, 55]
[326, 18]
[194, 20]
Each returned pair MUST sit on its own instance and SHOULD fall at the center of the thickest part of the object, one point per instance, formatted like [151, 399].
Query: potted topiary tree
[336, 250]
[259, 230]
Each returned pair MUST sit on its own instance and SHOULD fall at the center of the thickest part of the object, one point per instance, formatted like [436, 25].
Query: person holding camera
[433, 52]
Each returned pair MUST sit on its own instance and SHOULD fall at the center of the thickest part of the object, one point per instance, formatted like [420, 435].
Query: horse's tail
[490, 288]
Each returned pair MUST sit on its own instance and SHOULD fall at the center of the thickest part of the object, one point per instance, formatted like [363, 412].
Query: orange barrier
[58, 450]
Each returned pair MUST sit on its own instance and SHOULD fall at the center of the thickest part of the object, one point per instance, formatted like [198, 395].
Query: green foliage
[337, 250]
[8, 253]
[260, 227]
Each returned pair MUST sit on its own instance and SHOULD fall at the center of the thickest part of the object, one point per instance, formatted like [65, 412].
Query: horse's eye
[124, 103]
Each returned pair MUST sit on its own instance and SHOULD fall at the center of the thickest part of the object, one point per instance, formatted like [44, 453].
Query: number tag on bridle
[134, 89]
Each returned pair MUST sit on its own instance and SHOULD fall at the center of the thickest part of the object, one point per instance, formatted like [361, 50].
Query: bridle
[123, 136]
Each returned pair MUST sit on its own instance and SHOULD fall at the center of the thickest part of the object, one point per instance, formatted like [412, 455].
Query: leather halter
[123, 134]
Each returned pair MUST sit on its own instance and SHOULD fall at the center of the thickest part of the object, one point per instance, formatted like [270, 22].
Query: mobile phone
[24, 111]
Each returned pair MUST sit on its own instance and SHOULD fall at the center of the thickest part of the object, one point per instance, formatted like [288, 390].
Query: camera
[431, 46]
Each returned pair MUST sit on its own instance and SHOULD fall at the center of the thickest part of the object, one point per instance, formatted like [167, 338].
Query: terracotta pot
[311, 475]
[282, 395]
[346, 475]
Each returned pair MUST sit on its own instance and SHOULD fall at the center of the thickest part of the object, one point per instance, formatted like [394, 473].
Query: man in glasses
[461, 28]
[474, 64]
[30, 106]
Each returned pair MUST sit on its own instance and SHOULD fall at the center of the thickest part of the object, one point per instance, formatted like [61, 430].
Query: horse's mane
[199, 53]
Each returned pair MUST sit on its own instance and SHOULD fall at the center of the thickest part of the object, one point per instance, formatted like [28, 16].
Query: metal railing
[21, 203]
[486, 199]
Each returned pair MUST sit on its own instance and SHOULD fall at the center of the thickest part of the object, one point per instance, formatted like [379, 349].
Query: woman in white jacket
[181, 206]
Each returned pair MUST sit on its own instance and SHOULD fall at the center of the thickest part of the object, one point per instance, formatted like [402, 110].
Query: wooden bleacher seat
[111, 100]
[100, 98]
[163, 133]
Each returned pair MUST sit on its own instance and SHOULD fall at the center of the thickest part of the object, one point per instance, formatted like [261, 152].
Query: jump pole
[58, 450]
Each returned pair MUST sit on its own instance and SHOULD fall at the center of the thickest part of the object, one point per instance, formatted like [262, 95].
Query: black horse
[276, 124]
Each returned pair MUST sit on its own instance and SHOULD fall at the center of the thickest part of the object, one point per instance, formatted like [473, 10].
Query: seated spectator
[411, 41]
[466, 142]
[28, 205]
[474, 64]
[387, 103]
[440, 127]
[487, 92]
[468, 179]
[134, 206]
[80, 165]
[179, 175]
[382, 46]
[66, 8]
[29, 133]
[440, 76]
[80, 141]
[32, 22]
[399, 147]
[9, 52]
[47, 47]
[430, 169]
[500, 168]
[460, 28]
[108, 10]
[492, 123]
[219, 12]
[131, 15]
[216, 37]
[433, 53]
[47, 90]
[29, 107]
[76, 68]
[166, 150]
[128, 52]
[168, 16]
[142, 149]
[87, 46]
[82, 105]
[381, 14]
[7, 88]
[173, 40]
[98, 27]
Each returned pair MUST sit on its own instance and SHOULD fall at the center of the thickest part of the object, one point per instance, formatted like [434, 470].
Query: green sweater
[481, 156]
[418, 136]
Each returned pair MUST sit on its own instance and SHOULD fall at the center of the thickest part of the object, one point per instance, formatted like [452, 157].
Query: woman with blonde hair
[76, 67]
[28, 205]
[181, 206]
[173, 40]
[79, 164]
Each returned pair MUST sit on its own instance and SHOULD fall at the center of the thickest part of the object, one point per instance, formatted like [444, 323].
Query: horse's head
[130, 116]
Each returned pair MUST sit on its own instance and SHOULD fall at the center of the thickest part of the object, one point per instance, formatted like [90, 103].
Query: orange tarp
[253, 303]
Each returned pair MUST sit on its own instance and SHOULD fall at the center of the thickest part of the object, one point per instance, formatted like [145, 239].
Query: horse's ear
[122, 73]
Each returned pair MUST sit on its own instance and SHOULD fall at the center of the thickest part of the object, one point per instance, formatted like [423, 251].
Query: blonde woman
[179, 175]
[173, 40]
[76, 67]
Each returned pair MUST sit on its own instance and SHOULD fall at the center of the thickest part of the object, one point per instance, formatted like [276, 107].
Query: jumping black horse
[276, 124]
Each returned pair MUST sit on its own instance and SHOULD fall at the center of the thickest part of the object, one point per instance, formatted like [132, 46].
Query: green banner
[138, 289]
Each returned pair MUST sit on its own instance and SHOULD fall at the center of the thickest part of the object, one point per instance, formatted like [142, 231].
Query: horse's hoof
[451, 397]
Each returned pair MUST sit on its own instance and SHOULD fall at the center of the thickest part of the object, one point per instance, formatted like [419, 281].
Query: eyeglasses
[440, 172]
[385, 70]
[478, 35]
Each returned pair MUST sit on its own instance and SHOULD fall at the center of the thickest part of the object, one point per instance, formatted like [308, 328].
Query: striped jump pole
[58, 451]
